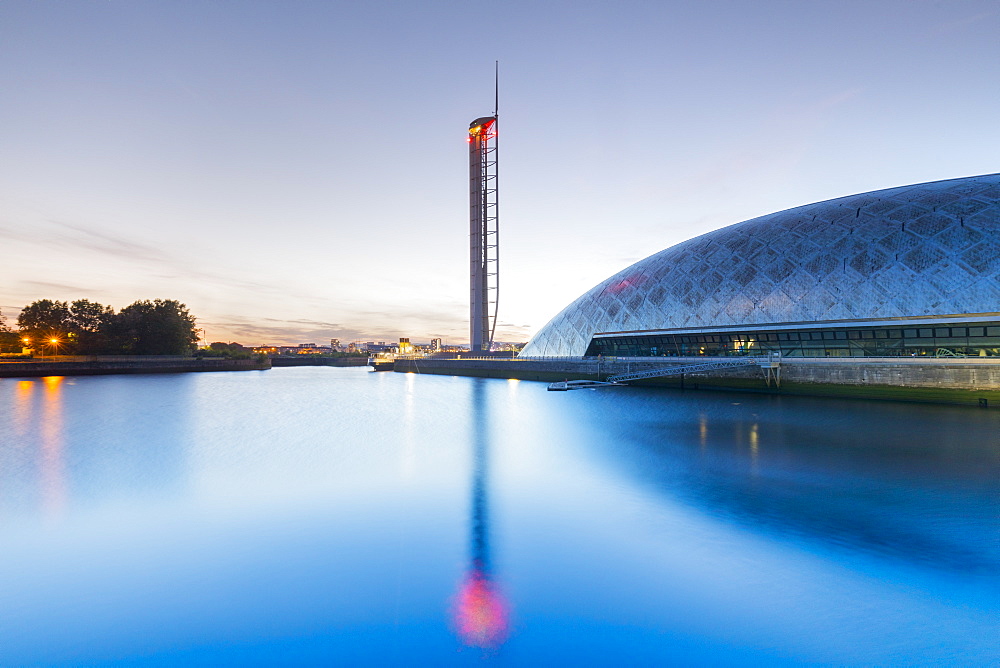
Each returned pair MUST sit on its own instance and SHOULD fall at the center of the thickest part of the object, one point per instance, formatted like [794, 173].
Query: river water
[339, 516]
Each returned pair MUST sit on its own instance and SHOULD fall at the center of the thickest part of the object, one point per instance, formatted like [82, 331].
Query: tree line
[83, 327]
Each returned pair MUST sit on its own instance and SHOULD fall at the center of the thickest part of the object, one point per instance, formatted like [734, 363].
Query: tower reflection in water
[481, 615]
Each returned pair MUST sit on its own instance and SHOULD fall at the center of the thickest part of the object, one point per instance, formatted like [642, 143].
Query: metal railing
[462, 358]
[684, 368]
[165, 359]
[939, 358]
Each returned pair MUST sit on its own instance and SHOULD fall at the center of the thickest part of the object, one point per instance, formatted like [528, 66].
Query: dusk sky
[295, 171]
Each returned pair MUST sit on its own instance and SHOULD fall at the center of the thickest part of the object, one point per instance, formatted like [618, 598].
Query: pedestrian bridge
[769, 364]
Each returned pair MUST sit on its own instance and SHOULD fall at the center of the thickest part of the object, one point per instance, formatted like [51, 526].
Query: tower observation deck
[483, 232]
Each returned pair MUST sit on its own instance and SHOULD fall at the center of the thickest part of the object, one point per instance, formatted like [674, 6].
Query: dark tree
[231, 350]
[9, 341]
[232, 346]
[88, 316]
[158, 327]
[89, 323]
[44, 321]
[78, 327]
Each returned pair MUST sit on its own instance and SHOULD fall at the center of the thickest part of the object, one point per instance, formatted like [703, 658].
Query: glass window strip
[962, 339]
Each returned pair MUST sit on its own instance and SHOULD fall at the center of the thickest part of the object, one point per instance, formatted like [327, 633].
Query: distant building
[301, 349]
[436, 345]
[313, 349]
[335, 345]
[506, 346]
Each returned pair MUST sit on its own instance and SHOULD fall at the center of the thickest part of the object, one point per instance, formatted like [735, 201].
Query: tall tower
[483, 231]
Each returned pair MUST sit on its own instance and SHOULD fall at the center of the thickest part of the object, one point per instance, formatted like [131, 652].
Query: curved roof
[919, 250]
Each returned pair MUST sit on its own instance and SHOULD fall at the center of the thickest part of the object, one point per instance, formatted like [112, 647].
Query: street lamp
[53, 343]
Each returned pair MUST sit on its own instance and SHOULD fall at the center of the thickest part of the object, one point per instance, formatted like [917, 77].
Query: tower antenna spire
[496, 88]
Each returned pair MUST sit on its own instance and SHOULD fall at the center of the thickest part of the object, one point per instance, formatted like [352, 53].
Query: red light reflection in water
[481, 613]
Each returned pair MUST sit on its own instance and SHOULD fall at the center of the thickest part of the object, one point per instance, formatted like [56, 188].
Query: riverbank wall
[103, 365]
[309, 360]
[964, 381]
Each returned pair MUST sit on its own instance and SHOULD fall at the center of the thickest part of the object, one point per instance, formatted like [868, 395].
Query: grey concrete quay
[970, 381]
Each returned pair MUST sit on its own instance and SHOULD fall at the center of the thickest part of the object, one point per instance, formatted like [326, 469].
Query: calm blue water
[325, 516]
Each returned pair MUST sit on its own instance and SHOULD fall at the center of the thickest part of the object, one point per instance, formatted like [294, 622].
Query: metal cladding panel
[920, 250]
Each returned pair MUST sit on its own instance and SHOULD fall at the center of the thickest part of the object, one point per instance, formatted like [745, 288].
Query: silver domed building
[907, 271]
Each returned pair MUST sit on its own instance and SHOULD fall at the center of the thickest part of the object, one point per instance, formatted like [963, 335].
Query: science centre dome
[903, 271]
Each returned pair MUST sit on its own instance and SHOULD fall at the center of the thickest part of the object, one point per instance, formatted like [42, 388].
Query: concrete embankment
[309, 360]
[97, 365]
[970, 381]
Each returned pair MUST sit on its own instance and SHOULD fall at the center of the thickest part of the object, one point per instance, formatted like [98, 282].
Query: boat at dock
[379, 364]
[564, 385]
